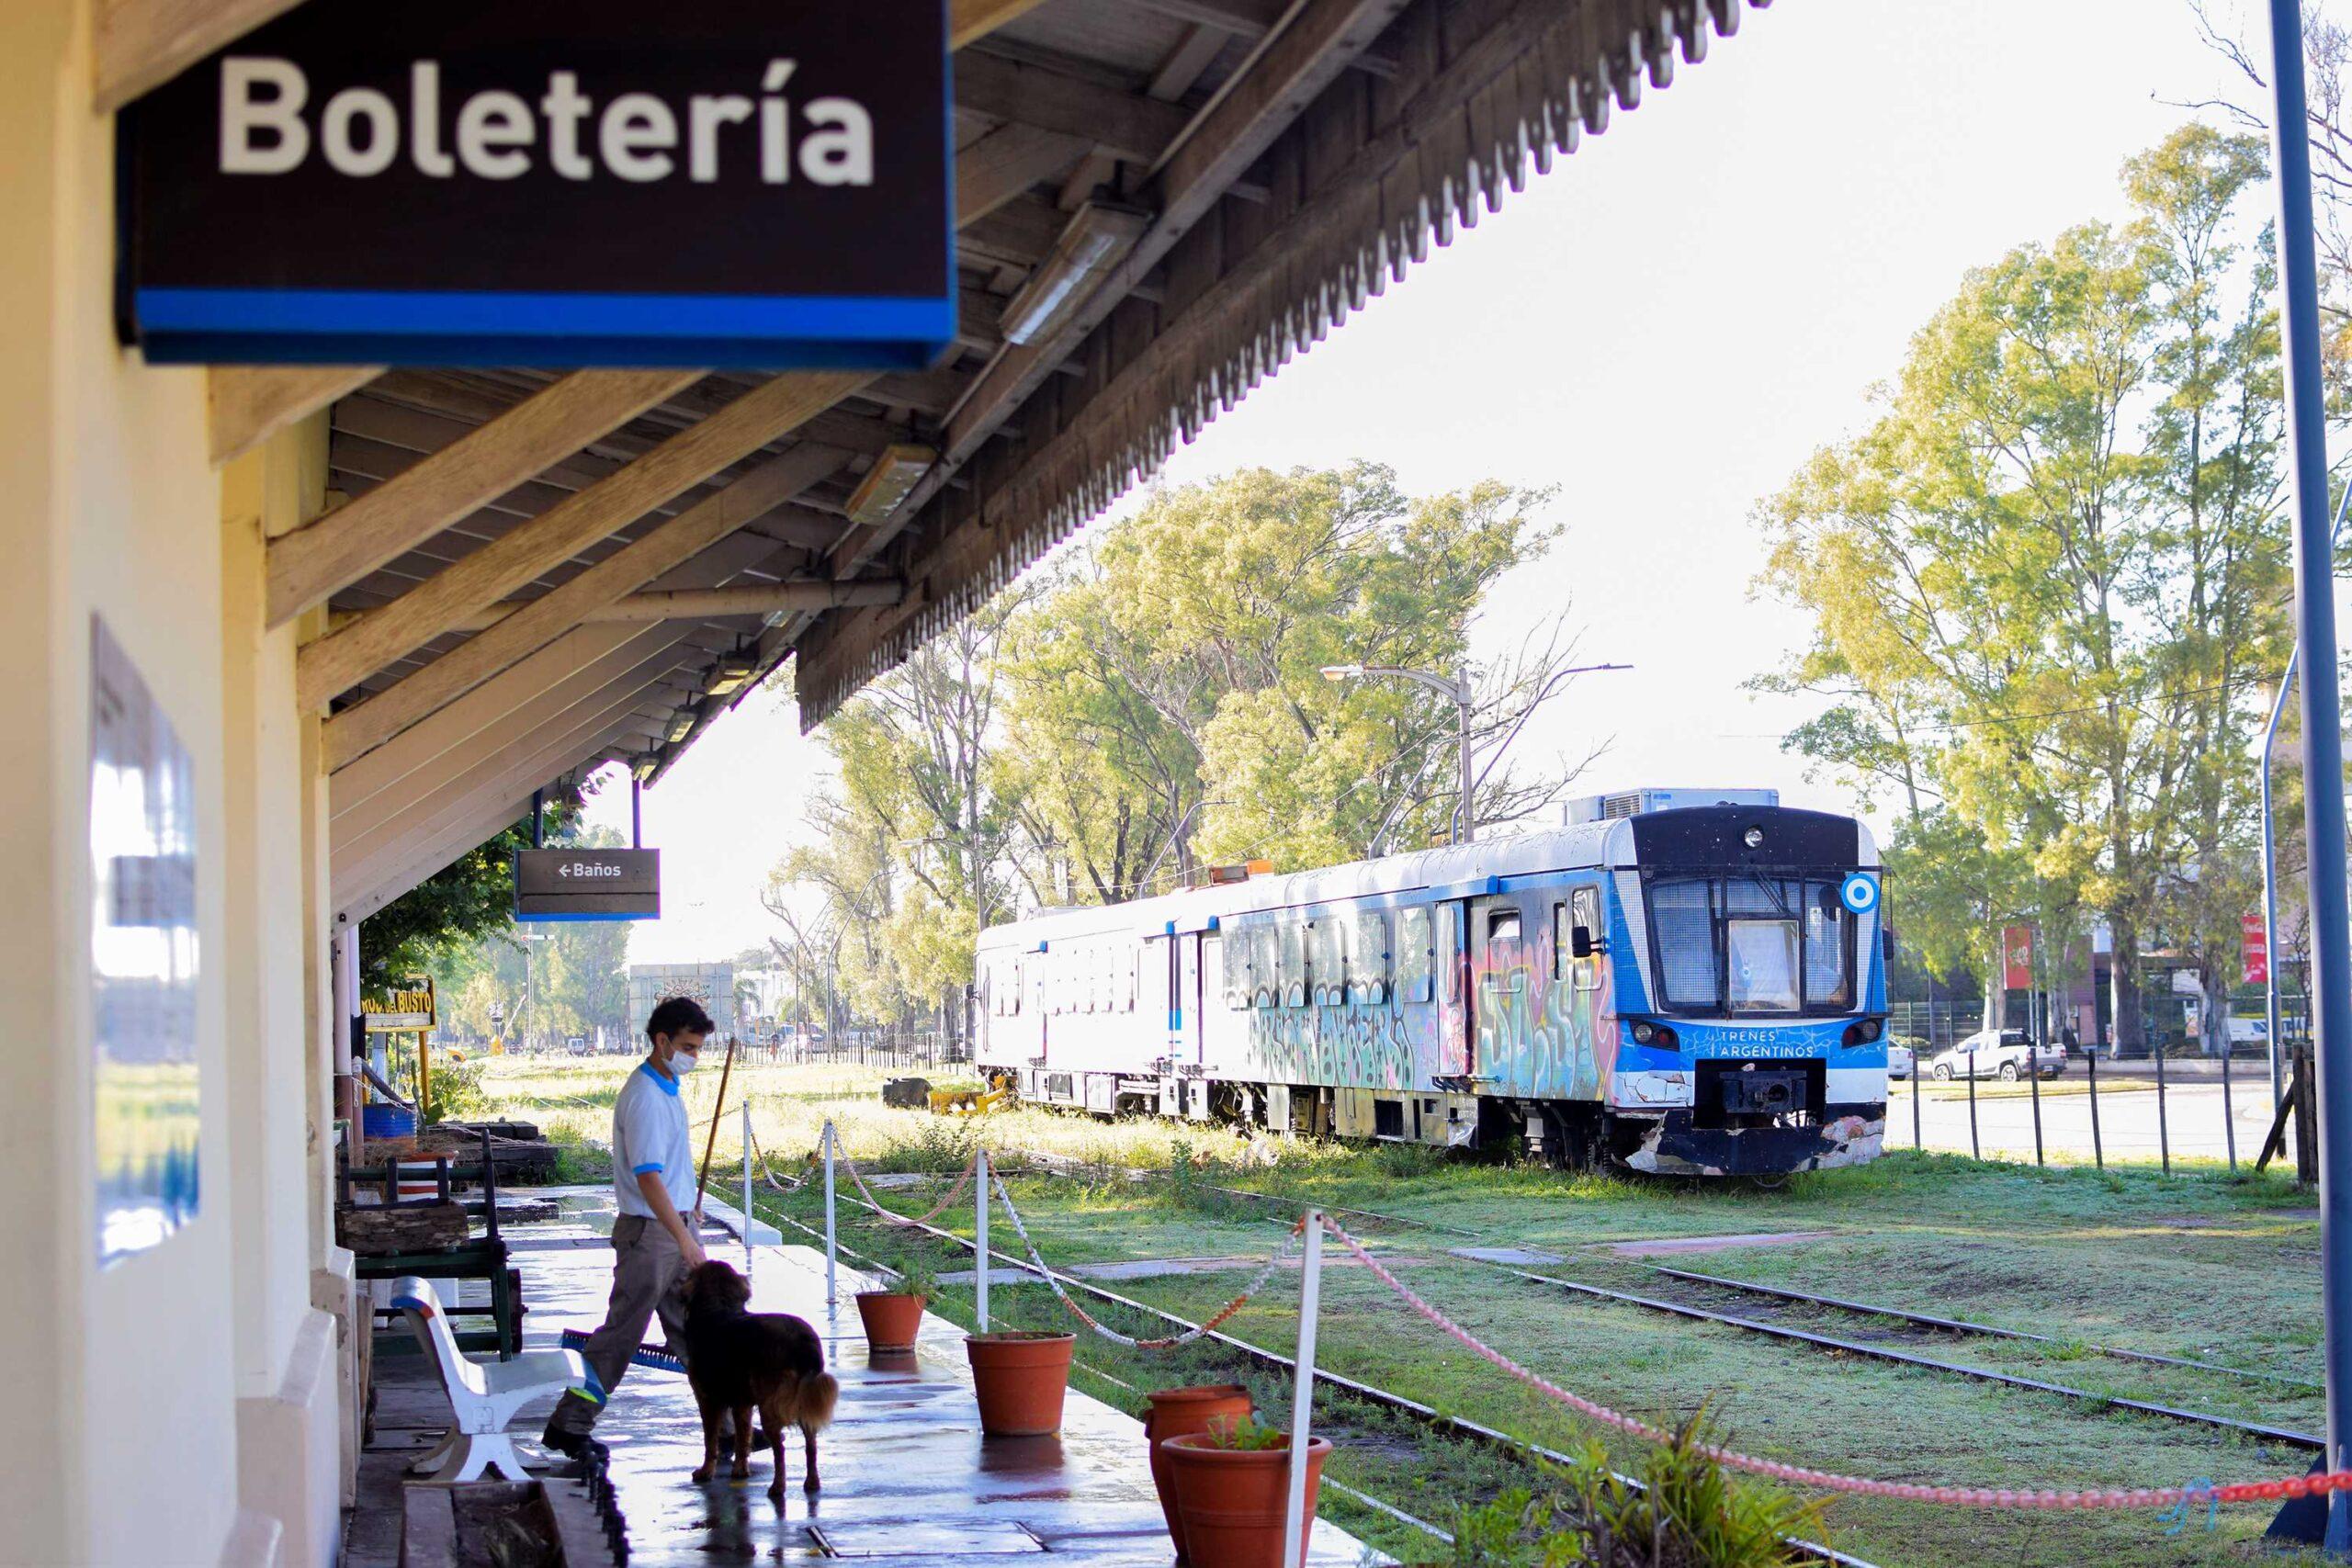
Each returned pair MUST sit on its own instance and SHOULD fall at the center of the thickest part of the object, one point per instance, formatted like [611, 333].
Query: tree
[470, 897]
[1167, 701]
[2046, 586]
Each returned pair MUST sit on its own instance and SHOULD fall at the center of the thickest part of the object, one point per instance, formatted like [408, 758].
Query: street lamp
[1458, 690]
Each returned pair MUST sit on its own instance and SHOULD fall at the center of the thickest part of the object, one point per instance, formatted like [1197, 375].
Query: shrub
[1686, 1512]
[455, 1093]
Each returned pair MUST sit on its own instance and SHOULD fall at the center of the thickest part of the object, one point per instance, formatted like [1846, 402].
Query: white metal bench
[483, 1395]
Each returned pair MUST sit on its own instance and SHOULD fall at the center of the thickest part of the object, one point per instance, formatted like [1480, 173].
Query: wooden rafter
[1287, 71]
[144, 43]
[250, 403]
[344, 657]
[538, 622]
[792, 596]
[313, 562]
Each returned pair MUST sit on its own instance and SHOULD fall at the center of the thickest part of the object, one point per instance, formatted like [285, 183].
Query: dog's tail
[815, 1406]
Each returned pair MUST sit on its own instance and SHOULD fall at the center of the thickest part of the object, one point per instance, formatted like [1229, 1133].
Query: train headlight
[1644, 1034]
[1753, 838]
[1871, 1028]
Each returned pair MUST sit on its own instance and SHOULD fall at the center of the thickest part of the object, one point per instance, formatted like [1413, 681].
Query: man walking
[653, 1240]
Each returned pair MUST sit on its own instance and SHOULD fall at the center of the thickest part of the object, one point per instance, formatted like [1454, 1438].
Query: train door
[1188, 1012]
[1455, 1056]
[1504, 989]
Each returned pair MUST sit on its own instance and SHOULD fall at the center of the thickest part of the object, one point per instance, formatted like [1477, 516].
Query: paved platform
[909, 1478]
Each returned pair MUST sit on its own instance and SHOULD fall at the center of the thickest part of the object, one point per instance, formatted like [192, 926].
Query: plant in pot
[1178, 1413]
[1019, 1378]
[894, 1316]
[1233, 1488]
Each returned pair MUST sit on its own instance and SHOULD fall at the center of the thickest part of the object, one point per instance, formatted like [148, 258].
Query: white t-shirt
[649, 1133]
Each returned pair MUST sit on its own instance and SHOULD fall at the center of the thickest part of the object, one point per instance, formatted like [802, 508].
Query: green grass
[2195, 1265]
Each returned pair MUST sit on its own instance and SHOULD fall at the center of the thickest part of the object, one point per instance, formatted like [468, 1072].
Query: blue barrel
[387, 1122]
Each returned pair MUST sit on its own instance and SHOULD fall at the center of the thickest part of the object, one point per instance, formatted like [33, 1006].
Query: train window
[1326, 961]
[1827, 982]
[1413, 955]
[1449, 947]
[1368, 973]
[1265, 968]
[1561, 941]
[1586, 911]
[1505, 964]
[1292, 964]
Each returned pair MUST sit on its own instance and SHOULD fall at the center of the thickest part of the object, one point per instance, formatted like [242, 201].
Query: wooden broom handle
[702, 1178]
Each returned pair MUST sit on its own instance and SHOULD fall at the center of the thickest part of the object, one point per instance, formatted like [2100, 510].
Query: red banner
[2017, 958]
[2257, 951]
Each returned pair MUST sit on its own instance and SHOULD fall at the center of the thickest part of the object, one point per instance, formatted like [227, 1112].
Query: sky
[1662, 329]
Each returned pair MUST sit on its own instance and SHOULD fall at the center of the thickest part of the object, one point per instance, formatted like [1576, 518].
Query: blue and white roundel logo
[1859, 892]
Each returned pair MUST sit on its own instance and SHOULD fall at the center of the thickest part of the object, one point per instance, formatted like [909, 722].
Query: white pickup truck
[2004, 1053]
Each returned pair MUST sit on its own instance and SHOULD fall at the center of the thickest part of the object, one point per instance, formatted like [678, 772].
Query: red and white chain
[1288, 1246]
[891, 1216]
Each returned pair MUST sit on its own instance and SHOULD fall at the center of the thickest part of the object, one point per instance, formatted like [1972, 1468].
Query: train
[1677, 982]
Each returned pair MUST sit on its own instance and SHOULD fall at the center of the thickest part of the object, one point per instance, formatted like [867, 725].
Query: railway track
[2284, 1436]
[1918, 1319]
[1963, 1325]
[1424, 1414]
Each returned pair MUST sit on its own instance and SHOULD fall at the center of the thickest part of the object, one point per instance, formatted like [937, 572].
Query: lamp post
[1458, 690]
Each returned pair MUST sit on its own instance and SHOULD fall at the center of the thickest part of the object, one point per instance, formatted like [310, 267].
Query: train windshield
[1747, 944]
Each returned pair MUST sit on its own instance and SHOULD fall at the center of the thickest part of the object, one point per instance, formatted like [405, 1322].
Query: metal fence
[895, 1049]
[2196, 1111]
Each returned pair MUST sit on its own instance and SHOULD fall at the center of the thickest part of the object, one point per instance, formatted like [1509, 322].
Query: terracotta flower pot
[1180, 1413]
[1232, 1500]
[892, 1319]
[1020, 1380]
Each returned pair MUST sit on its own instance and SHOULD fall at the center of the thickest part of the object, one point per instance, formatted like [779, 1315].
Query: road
[2193, 1121]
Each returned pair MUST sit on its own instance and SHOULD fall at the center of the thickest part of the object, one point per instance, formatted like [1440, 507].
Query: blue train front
[1677, 982]
[1750, 1018]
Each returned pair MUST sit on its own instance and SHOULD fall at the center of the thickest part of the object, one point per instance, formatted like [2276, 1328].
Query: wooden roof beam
[145, 43]
[342, 658]
[338, 549]
[542, 620]
[1129, 126]
[1257, 105]
[792, 596]
[250, 403]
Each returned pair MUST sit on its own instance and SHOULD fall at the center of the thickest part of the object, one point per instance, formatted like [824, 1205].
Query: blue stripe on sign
[387, 313]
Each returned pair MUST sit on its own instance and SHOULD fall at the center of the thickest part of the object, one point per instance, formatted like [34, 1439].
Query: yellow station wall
[186, 1405]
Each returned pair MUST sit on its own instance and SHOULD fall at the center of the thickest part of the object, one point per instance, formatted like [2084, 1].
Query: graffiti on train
[1537, 1033]
[1365, 1044]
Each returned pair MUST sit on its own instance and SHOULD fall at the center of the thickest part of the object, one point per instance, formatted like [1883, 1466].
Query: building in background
[712, 984]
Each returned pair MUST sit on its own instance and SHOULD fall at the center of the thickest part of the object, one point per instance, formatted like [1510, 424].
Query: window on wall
[1414, 958]
[1368, 968]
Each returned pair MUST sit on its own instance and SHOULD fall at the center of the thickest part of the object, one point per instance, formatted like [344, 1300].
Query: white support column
[832, 1293]
[746, 1186]
[1310, 1295]
[980, 1238]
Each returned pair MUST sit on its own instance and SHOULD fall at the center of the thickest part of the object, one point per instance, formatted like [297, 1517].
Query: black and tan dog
[739, 1361]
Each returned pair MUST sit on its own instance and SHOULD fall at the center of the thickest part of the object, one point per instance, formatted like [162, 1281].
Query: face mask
[683, 1061]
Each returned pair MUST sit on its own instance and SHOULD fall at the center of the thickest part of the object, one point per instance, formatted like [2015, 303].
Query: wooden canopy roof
[536, 574]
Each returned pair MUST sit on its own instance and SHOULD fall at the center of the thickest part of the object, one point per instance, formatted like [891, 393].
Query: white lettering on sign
[586, 868]
[263, 130]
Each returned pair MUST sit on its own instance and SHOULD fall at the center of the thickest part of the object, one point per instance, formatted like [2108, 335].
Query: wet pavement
[908, 1477]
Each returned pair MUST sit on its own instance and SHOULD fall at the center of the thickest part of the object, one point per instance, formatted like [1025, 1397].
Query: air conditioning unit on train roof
[1638, 802]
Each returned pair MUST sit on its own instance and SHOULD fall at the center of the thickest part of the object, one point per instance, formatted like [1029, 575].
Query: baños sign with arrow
[588, 884]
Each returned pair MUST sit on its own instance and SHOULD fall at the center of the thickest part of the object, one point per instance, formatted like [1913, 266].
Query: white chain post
[832, 1293]
[1310, 1295]
[981, 1235]
[747, 1185]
